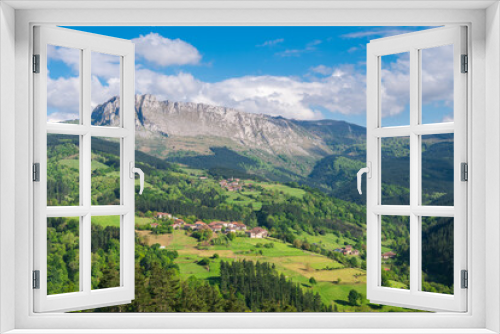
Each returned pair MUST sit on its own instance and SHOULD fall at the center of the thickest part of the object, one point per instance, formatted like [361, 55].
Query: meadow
[334, 281]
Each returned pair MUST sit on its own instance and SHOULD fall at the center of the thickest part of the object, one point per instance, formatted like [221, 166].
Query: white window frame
[482, 315]
[413, 44]
[86, 43]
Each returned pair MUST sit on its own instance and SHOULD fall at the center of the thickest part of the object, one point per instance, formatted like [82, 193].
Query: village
[215, 226]
[233, 184]
[238, 227]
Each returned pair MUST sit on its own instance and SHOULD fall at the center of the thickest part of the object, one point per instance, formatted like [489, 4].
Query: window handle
[134, 170]
[368, 171]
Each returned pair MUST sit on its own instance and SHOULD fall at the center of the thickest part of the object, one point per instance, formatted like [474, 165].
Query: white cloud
[69, 56]
[437, 75]
[343, 92]
[322, 69]
[395, 85]
[447, 118]
[311, 46]
[338, 89]
[63, 92]
[63, 98]
[105, 66]
[164, 51]
[272, 42]
[437, 81]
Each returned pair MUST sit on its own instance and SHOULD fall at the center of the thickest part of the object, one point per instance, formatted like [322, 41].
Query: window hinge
[36, 172]
[36, 63]
[36, 279]
[465, 64]
[464, 171]
[465, 279]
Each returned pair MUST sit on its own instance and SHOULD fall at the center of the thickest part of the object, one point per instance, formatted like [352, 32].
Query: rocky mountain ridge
[274, 135]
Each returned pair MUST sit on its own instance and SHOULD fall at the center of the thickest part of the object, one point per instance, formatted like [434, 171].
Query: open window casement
[432, 58]
[77, 58]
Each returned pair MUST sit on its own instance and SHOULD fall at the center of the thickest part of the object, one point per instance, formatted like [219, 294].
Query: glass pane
[105, 252]
[105, 89]
[437, 170]
[395, 246]
[63, 84]
[63, 255]
[396, 171]
[105, 171]
[437, 84]
[395, 89]
[437, 254]
[63, 170]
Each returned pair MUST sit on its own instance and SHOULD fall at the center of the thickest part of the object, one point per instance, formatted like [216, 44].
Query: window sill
[252, 331]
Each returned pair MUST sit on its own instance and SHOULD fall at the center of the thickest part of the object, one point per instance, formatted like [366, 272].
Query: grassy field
[296, 264]
[144, 220]
[328, 241]
[333, 284]
[242, 198]
[106, 220]
[281, 188]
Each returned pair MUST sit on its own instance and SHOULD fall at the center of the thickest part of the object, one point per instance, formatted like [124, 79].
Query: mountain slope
[273, 135]
[324, 154]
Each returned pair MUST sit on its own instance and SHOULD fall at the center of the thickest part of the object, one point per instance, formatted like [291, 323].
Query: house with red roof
[388, 255]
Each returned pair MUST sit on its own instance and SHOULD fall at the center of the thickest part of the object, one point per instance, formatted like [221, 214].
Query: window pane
[63, 84]
[437, 170]
[437, 84]
[396, 171]
[395, 246]
[105, 171]
[105, 89]
[437, 254]
[63, 255]
[105, 252]
[395, 89]
[63, 170]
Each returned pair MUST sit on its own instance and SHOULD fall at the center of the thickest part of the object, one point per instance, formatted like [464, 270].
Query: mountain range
[324, 154]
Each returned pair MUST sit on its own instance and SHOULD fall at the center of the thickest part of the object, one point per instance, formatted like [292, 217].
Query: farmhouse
[388, 255]
[155, 225]
[347, 250]
[163, 215]
[199, 225]
[257, 232]
[239, 226]
[216, 227]
[203, 227]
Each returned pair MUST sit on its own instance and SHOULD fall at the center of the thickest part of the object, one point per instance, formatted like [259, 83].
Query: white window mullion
[86, 175]
[127, 104]
[414, 172]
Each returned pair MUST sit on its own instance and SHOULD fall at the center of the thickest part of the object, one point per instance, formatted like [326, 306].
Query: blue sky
[294, 72]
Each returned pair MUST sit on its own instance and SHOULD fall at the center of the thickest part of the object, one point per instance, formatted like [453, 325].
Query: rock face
[274, 135]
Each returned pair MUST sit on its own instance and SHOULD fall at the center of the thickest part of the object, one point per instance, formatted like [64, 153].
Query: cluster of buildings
[231, 185]
[217, 226]
[347, 250]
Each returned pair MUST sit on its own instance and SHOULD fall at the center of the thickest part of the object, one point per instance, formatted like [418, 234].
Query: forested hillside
[177, 271]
